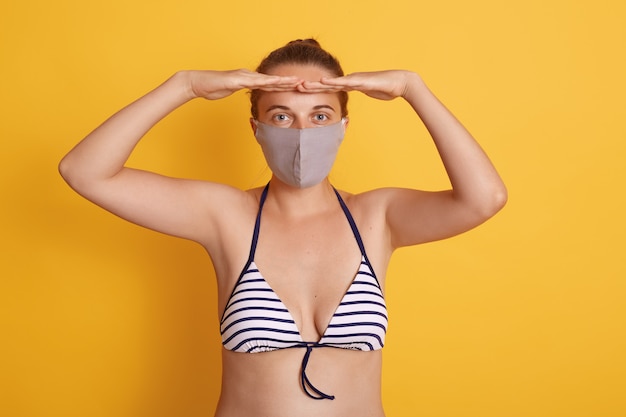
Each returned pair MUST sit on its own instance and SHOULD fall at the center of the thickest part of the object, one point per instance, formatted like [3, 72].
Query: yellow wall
[524, 316]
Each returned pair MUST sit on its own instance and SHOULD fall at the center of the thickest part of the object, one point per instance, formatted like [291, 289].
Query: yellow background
[524, 316]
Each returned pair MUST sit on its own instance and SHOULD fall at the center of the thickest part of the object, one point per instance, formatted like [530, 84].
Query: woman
[300, 266]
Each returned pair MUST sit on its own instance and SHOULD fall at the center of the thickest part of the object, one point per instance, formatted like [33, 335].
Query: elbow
[81, 175]
[500, 198]
[71, 173]
[497, 199]
[62, 168]
[486, 204]
[65, 170]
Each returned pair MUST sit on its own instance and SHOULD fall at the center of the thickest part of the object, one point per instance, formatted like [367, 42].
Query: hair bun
[309, 42]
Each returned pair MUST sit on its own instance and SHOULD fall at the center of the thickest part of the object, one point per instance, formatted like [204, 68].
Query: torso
[293, 253]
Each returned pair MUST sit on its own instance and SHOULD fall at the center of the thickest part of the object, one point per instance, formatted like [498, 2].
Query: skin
[293, 254]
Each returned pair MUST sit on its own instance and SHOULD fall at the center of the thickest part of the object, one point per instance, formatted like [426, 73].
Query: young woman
[300, 266]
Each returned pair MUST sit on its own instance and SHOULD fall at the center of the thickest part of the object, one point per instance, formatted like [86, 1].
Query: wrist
[414, 86]
[184, 82]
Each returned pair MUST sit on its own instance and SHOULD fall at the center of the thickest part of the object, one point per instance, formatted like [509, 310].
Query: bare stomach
[268, 384]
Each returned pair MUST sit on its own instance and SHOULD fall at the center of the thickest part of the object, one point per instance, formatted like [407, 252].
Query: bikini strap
[257, 224]
[355, 230]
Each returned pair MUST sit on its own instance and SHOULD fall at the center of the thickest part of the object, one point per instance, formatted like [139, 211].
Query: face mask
[300, 157]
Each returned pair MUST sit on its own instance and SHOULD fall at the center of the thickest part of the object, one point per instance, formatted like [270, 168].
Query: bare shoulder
[368, 209]
[227, 196]
[378, 204]
[413, 216]
[375, 202]
[228, 203]
[225, 219]
[390, 210]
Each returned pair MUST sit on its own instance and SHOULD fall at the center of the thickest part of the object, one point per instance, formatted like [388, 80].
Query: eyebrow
[281, 107]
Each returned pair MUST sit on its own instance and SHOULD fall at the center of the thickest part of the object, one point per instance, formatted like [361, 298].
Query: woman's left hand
[382, 85]
[415, 216]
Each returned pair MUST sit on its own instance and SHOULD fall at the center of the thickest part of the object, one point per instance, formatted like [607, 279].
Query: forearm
[103, 153]
[473, 177]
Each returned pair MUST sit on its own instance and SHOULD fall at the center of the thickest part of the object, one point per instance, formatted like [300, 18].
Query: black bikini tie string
[307, 386]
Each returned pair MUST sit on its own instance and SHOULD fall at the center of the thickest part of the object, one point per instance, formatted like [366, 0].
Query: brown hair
[306, 52]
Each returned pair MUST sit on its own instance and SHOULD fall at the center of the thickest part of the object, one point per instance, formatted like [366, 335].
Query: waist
[268, 383]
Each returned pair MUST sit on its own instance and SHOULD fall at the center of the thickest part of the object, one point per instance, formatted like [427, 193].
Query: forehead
[306, 72]
[294, 99]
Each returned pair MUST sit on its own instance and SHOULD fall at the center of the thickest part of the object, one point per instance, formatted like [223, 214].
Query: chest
[309, 265]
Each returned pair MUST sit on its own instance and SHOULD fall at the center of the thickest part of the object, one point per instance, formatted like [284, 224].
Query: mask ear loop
[254, 123]
[345, 121]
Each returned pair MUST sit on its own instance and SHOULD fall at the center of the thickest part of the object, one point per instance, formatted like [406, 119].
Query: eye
[320, 118]
[280, 118]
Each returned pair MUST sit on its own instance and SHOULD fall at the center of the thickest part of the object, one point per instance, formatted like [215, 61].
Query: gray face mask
[300, 157]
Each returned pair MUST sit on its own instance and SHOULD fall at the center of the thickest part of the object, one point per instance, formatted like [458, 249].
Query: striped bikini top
[256, 320]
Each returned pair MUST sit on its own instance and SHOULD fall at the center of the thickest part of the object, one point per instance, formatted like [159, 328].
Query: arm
[477, 192]
[95, 167]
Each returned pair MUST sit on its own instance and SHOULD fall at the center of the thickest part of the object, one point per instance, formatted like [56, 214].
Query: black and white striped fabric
[256, 320]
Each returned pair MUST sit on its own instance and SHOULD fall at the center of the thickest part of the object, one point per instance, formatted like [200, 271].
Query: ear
[253, 125]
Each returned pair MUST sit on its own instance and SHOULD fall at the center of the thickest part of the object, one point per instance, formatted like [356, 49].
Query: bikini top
[256, 320]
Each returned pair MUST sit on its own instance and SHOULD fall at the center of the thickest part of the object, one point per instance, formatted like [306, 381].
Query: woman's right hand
[96, 167]
[214, 85]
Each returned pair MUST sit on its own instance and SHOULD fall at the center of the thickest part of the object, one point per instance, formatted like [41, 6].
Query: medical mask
[300, 157]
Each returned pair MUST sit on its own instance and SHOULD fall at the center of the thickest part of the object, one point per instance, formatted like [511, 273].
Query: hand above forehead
[384, 85]
[214, 85]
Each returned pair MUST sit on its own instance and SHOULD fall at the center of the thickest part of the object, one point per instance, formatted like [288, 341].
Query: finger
[326, 90]
[318, 87]
[360, 82]
[345, 81]
[256, 79]
[277, 79]
[333, 80]
[273, 88]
